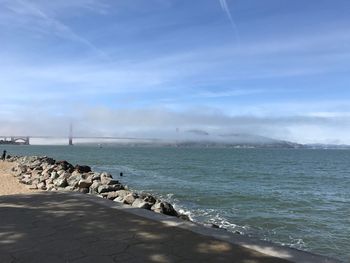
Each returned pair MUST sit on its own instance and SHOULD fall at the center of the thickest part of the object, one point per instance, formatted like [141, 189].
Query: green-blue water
[299, 198]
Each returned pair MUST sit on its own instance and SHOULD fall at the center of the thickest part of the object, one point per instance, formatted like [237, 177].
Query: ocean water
[294, 197]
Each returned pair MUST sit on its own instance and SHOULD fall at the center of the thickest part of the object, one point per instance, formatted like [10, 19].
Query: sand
[8, 183]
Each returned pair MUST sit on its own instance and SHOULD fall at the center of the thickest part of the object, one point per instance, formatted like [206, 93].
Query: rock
[106, 175]
[35, 164]
[44, 176]
[122, 193]
[64, 165]
[164, 208]
[82, 168]
[73, 180]
[49, 181]
[48, 160]
[140, 203]
[184, 217]
[94, 187]
[69, 188]
[60, 172]
[130, 198]
[35, 181]
[112, 195]
[104, 195]
[108, 188]
[148, 198]
[41, 186]
[26, 180]
[96, 177]
[119, 199]
[36, 173]
[48, 170]
[108, 181]
[49, 187]
[84, 183]
[54, 175]
[61, 182]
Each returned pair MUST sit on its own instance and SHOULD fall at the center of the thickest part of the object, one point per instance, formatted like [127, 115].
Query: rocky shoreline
[47, 174]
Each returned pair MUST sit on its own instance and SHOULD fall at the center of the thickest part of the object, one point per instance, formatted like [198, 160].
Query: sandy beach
[9, 185]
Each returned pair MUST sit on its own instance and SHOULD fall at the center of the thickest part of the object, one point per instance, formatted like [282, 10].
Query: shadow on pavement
[57, 227]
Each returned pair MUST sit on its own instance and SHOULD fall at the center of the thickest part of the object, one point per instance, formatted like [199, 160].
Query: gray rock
[84, 183]
[96, 177]
[148, 198]
[108, 181]
[122, 193]
[64, 175]
[61, 182]
[140, 203]
[26, 180]
[130, 198]
[49, 181]
[184, 217]
[69, 188]
[109, 188]
[60, 172]
[106, 175]
[49, 187]
[73, 180]
[82, 168]
[112, 195]
[164, 208]
[94, 187]
[54, 175]
[119, 199]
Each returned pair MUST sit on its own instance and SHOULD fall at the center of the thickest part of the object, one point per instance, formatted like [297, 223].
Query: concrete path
[67, 227]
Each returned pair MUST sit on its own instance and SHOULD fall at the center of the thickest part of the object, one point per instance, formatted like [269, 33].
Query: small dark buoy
[121, 174]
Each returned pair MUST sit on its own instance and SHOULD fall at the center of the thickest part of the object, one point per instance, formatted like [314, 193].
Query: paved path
[65, 227]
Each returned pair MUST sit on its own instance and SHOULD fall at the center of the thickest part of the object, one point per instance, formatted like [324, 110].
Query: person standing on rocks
[3, 155]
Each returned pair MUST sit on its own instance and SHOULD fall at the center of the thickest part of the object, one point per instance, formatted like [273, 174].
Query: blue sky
[275, 68]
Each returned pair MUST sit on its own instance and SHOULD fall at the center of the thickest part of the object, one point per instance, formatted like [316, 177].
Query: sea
[298, 198]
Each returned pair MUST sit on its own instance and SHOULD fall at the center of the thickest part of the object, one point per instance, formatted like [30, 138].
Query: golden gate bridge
[25, 139]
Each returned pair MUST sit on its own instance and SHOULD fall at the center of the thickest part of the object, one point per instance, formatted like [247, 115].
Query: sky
[156, 68]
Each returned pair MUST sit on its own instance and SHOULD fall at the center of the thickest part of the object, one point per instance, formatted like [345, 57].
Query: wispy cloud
[51, 25]
[226, 9]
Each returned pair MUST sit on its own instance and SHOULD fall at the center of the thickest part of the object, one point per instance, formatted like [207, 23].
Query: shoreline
[46, 174]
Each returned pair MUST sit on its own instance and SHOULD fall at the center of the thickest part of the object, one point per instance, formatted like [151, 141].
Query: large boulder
[64, 165]
[148, 198]
[48, 160]
[140, 203]
[61, 182]
[54, 175]
[112, 195]
[82, 168]
[73, 180]
[94, 187]
[84, 183]
[164, 208]
[108, 181]
[109, 188]
[122, 193]
[130, 198]
[96, 177]
[41, 186]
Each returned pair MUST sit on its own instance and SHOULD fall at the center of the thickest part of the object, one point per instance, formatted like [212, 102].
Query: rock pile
[47, 174]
